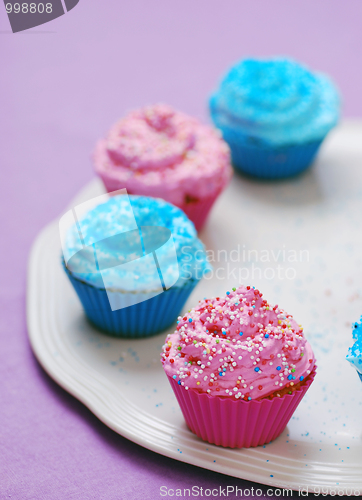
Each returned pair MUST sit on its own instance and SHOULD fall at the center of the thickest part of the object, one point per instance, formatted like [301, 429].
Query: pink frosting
[237, 346]
[159, 152]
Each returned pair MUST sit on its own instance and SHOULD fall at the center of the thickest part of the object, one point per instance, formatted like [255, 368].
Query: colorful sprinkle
[210, 352]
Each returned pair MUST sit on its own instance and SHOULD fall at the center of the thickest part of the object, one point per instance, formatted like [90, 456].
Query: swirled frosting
[117, 217]
[157, 151]
[276, 101]
[354, 355]
[238, 346]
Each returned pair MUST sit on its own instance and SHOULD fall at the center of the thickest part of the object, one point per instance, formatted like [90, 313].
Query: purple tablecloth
[64, 84]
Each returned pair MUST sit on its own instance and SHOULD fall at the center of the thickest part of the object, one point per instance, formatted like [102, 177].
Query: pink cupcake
[159, 152]
[239, 368]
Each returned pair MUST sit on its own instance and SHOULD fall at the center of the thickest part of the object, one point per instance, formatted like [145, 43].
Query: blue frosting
[103, 226]
[354, 355]
[279, 102]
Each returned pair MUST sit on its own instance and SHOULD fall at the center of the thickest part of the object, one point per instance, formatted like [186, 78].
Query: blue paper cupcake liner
[139, 320]
[264, 162]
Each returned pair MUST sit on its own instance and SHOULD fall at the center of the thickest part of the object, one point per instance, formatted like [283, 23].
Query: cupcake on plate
[354, 355]
[159, 152]
[133, 262]
[239, 368]
[274, 114]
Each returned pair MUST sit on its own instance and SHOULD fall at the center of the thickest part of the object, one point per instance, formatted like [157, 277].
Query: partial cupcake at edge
[159, 152]
[239, 367]
[133, 261]
[354, 355]
[274, 114]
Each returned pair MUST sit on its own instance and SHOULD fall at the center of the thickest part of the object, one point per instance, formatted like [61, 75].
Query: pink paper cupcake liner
[110, 182]
[237, 424]
[197, 211]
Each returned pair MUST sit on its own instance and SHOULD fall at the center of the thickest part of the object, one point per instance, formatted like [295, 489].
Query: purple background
[65, 83]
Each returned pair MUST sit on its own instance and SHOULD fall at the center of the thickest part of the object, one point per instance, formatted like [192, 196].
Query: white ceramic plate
[311, 227]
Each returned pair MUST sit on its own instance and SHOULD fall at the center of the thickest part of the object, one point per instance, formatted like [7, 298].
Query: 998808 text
[31, 8]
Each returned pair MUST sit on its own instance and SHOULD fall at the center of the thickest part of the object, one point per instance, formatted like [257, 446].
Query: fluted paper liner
[198, 211]
[269, 162]
[142, 319]
[237, 423]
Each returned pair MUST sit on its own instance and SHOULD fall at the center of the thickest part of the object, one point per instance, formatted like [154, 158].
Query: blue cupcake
[354, 355]
[133, 262]
[274, 114]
